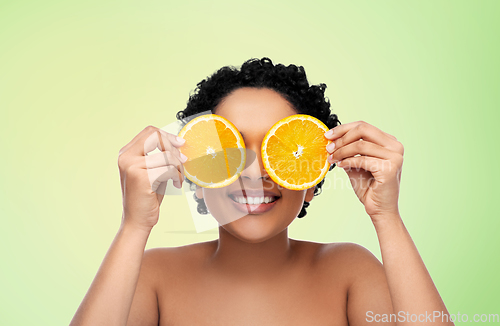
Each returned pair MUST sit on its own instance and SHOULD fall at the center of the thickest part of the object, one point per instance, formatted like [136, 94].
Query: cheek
[294, 201]
[294, 198]
[214, 201]
[219, 205]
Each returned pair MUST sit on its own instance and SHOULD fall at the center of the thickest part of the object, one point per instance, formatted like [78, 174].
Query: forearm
[411, 287]
[110, 295]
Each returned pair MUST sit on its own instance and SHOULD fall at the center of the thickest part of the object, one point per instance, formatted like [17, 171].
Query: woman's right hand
[141, 175]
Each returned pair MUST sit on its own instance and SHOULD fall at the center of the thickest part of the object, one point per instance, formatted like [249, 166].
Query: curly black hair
[289, 81]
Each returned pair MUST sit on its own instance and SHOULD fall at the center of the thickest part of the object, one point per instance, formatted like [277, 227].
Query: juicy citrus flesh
[294, 152]
[215, 150]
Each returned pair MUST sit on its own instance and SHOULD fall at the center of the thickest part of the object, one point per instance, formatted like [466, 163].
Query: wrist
[387, 220]
[130, 228]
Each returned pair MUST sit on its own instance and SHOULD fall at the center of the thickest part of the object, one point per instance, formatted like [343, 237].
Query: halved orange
[215, 150]
[294, 152]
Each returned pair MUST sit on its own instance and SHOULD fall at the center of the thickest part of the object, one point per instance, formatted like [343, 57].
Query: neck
[236, 257]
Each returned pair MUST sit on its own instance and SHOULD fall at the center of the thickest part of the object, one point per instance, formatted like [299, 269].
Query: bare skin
[254, 274]
[310, 287]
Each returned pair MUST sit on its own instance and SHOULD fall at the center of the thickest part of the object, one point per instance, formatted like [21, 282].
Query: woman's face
[254, 111]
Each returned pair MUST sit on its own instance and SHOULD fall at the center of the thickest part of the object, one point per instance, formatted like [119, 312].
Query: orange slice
[215, 150]
[294, 152]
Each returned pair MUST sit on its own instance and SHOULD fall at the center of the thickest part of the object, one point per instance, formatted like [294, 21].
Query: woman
[254, 274]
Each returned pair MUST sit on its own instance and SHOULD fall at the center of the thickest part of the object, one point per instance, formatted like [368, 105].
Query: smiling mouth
[254, 200]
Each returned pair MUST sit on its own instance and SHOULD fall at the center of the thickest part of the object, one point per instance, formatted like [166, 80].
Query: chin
[249, 229]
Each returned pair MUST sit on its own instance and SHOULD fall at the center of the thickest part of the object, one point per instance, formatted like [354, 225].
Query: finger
[145, 131]
[178, 159]
[136, 145]
[164, 159]
[361, 147]
[371, 164]
[162, 140]
[389, 135]
[163, 174]
[340, 130]
[161, 159]
[361, 130]
[174, 140]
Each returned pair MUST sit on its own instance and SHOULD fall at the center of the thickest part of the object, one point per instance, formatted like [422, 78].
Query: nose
[254, 168]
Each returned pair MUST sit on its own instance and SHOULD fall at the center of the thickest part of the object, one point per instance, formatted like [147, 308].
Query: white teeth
[253, 200]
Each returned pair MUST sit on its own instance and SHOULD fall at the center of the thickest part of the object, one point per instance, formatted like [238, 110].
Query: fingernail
[329, 133]
[330, 147]
[183, 158]
[180, 140]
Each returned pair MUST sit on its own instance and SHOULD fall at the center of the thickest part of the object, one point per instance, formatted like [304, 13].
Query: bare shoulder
[346, 251]
[342, 258]
[163, 261]
[185, 251]
[363, 278]
[160, 268]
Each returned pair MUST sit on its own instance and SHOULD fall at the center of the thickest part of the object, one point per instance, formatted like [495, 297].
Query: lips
[254, 208]
[254, 193]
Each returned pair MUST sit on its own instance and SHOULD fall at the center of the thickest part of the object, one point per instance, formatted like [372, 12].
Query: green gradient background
[78, 80]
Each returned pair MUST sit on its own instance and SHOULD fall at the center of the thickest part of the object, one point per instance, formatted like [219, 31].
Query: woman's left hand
[375, 174]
